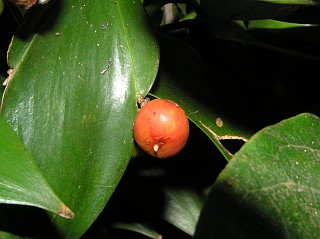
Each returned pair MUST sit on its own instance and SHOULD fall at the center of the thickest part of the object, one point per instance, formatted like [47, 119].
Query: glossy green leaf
[253, 9]
[78, 68]
[270, 189]
[21, 182]
[181, 66]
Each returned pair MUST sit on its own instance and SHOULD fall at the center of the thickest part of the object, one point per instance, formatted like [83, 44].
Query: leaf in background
[7, 235]
[78, 67]
[182, 208]
[253, 9]
[270, 189]
[308, 15]
[21, 182]
[180, 66]
[273, 24]
[306, 34]
[140, 228]
[1, 6]
[236, 31]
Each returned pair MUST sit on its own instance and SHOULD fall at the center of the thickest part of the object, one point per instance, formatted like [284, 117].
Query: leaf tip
[66, 212]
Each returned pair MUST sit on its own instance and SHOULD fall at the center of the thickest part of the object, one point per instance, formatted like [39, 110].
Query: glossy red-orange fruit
[161, 128]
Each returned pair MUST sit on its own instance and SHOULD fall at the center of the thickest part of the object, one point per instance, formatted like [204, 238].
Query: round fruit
[161, 128]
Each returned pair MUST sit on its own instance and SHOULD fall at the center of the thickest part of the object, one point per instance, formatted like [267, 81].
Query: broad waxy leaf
[78, 68]
[254, 9]
[21, 182]
[270, 189]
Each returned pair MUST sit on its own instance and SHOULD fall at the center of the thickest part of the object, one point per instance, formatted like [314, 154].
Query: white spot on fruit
[155, 148]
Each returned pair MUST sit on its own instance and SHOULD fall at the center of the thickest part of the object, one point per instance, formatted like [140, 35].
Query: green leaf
[140, 228]
[21, 182]
[304, 34]
[273, 24]
[7, 235]
[270, 189]
[180, 68]
[253, 9]
[182, 208]
[78, 68]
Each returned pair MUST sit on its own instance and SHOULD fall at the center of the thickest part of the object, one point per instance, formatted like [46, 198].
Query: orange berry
[161, 128]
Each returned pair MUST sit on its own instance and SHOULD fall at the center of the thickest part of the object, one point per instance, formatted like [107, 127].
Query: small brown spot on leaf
[219, 122]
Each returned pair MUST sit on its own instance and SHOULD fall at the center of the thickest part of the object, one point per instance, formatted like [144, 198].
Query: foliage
[243, 70]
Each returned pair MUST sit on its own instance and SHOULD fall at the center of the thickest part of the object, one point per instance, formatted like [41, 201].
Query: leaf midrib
[126, 36]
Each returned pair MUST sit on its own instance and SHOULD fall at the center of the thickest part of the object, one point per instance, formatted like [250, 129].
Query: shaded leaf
[78, 68]
[258, 33]
[21, 182]
[254, 9]
[306, 15]
[1, 6]
[270, 188]
[273, 24]
[139, 228]
[305, 34]
[182, 208]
